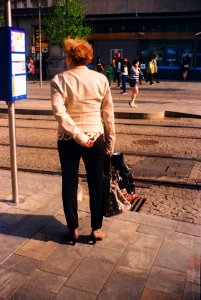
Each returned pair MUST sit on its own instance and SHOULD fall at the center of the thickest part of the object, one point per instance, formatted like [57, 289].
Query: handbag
[124, 174]
[111, 207]
[131, 80]
[115, 199]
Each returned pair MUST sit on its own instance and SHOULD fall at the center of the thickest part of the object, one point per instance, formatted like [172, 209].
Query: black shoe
[73, 236]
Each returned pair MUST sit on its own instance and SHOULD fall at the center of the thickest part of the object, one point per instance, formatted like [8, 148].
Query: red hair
[79, 50]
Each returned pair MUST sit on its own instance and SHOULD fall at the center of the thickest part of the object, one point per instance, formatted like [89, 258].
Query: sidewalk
[142, 257]
[168, 98]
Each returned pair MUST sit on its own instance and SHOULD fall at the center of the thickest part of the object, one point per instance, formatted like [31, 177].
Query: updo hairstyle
[135, 62]
[80, 51]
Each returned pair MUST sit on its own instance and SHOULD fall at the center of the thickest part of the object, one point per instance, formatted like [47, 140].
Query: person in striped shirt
[134, 76]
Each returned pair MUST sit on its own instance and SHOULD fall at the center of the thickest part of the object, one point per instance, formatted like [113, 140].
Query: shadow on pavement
[37, 227]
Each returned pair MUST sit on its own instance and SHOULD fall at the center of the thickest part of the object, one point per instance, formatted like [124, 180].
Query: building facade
[137, 28]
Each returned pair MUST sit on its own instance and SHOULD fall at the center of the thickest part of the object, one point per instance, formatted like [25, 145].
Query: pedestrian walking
[185, 66]
[117, 68]
[82, 104]
[109, 73]
[150, 71]
[156, 68]
[125, 70]
[134, 81]
[31, 70]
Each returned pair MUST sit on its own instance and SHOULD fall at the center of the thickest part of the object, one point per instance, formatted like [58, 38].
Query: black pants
[156, 77]
[118, 77]
[150, 78]
[70, 154]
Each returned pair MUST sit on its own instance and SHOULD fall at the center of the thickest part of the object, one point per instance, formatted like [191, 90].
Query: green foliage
[66, 20]
[1, 20]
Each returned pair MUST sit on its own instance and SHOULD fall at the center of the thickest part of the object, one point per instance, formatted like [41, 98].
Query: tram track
[164, 155]
[142, 147]
[139, 182]
[128, 153]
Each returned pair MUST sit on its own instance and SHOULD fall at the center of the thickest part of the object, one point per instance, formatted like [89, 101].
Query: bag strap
[107, 165]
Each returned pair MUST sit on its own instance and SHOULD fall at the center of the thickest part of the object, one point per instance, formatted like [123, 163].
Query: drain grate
[137, 203]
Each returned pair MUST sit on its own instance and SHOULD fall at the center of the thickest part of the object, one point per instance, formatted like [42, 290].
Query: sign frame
[13, 77]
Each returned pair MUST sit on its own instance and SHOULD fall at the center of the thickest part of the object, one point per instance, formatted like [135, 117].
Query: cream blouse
[82, 104]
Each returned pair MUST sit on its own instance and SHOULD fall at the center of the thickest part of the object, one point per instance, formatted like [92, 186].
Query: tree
[66, 20]
[1, 20]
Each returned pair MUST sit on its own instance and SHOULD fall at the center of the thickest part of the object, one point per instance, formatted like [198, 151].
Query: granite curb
[118, 115]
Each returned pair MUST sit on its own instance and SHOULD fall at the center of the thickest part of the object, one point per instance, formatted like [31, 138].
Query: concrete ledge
[25, 111]
[118, 115]
[174, 114]
[128, 115]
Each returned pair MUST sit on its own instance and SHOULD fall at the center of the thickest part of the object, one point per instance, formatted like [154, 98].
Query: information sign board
[13, 84]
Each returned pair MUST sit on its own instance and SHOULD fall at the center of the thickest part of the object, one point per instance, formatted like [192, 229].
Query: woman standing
[83, 107]
[134, 76]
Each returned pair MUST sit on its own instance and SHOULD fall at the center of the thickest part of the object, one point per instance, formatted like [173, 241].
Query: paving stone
[165, 280]
[114, 241]
[90, 276]
[104, 254]
[65, 259]
[140, 254]
[173, 237]
[50, 205]
[191, 229]
[67, 293]
[31, 225]
[197, 247]
[56, 227]
[174, 257]
[21, 264]
[149, 294]
[145, 219]
[9, 282]
[191, 291]
[120, 286]
[10, 220]
[28, 292]
[83, 206]
[122, 227]
[37, 248]
[152, 230]
[194, 269]
[9, 244]
[46, 281]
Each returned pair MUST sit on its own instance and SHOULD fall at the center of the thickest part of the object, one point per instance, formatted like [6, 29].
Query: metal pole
[12, 130]
[40, 50]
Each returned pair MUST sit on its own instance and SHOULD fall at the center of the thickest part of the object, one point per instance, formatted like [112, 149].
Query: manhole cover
[146, 142]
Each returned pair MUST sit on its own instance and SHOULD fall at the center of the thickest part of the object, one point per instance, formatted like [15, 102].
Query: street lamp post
[40, 49]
